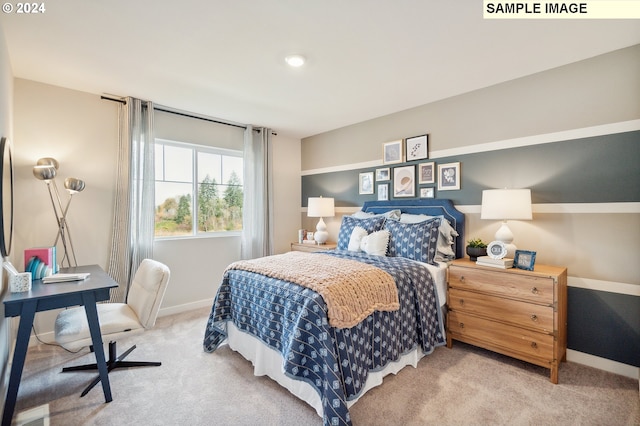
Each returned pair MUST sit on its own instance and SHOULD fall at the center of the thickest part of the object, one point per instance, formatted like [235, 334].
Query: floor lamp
[46, 169]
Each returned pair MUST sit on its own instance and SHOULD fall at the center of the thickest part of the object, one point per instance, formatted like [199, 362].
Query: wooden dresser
[522, 314]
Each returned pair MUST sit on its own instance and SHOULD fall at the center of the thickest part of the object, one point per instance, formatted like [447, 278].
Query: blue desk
[44, 297]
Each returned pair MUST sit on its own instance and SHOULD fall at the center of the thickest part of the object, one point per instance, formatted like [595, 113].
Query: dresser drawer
[494, 335]
[503, 283]
[537, 317]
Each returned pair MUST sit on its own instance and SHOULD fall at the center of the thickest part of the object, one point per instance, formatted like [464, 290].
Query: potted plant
[476, 247]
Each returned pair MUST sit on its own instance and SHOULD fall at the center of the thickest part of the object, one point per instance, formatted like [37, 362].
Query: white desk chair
[117, 319]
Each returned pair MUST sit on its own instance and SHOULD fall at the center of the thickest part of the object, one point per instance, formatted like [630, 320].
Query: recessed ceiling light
[295, 60]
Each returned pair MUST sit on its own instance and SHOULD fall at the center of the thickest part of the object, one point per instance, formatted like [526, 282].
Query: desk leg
[89, 301]
[19, 355]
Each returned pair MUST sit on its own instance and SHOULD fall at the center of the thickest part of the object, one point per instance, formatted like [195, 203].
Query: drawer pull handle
[534, 317]
[534, 345]
[461, 325]
[462, 278]
[534, 290]
[462, 302]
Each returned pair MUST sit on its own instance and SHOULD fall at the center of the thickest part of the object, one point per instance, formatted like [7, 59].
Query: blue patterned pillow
[417, 241]
[349, 222]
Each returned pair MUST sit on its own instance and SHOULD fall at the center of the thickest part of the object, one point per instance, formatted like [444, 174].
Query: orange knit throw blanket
[352, 290]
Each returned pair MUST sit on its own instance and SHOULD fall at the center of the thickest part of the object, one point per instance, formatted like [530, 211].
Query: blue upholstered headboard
[428, 206]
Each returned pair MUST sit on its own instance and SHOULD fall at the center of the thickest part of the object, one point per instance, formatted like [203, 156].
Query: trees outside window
[199, 190]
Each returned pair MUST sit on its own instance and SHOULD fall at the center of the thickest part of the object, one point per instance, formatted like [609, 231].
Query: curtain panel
[257, 220]
[133, 221]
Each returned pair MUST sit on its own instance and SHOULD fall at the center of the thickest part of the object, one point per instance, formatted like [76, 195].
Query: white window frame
[195, 149]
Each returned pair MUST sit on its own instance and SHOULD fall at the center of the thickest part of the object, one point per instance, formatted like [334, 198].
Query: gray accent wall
[601, 169]
[612, 326]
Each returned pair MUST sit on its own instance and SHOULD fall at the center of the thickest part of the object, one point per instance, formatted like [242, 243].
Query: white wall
[80, 130]
[287, 189]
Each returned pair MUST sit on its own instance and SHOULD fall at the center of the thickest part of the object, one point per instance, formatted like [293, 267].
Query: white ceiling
[366, 58]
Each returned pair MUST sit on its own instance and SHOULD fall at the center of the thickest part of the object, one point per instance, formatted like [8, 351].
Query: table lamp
[506, 204]
[320, 207]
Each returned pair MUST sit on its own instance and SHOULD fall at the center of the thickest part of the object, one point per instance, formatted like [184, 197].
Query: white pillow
[357, 235]
[414, 218]
[391, 214]
[362, 215]
[444, 249]
[376, 243]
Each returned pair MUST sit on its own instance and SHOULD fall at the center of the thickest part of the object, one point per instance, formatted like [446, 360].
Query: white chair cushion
[147, 291]
[72, 328]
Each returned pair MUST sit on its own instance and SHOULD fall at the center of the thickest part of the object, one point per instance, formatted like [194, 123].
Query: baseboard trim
[603, 364]
[178, 309]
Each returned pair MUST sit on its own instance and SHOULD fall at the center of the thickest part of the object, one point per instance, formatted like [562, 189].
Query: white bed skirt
[268, 362]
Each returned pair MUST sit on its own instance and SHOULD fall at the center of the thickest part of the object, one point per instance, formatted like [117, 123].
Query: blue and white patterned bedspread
[293, 320]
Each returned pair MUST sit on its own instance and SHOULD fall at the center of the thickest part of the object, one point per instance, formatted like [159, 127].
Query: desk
[44, 297]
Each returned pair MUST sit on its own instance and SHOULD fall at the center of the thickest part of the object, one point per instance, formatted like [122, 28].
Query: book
[40, 261]
[309, 242]
[505, 263]
[59, 278]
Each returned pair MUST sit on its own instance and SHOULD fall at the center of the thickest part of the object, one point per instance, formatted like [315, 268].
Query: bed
[291, 334]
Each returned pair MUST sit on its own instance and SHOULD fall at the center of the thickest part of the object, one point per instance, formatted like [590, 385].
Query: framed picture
[448, 176]
[383, 192]
[417, 147]
[426, 173]
[404, 181]
[392, 152]
[524, 260]
[426, 192]
[383, 174]
[365, 183]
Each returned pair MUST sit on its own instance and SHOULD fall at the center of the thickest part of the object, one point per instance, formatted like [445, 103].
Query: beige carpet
[458, 386]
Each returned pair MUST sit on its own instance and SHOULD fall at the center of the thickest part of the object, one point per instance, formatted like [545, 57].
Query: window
[198, 189]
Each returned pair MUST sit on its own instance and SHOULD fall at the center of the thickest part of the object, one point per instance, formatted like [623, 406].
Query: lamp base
[505, 235]
[321, 235]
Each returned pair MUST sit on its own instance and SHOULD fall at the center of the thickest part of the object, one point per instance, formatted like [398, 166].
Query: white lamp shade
[505, 204]
[320, 207]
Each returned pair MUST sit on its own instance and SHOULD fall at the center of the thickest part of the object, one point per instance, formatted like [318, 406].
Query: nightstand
[312, 247]
[522, 314]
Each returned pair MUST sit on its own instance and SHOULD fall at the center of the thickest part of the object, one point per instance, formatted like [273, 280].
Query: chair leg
[113, 362]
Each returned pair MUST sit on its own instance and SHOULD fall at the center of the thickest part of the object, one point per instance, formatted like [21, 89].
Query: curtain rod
[114, 99]
[199, 117]
[202, 117]
[185, 114]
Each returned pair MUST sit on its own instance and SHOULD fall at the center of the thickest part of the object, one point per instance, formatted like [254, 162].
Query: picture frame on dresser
[524, 259]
